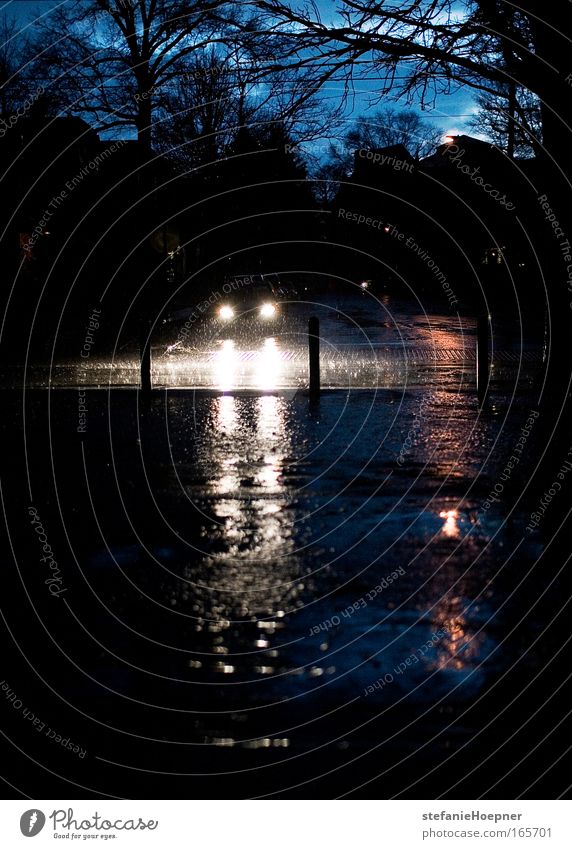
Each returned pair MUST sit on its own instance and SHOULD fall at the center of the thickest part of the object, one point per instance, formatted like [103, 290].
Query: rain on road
[306, 583]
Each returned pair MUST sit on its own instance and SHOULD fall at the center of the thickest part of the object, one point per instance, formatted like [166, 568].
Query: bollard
[145, 353]
[483, 363]
[314, 356]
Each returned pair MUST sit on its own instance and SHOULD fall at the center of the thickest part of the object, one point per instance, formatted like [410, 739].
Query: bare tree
[408, 47]
[326, 174]
[12, 51]
[422, 47]
[512, 121]
[218, 93]
[384, 128]
[127, 63]
[114, 61]
[391, 126]
[200, 111]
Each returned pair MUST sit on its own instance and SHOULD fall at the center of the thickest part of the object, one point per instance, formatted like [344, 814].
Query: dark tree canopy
[512, 120]
[382, 128]
[390, 126]
[173, 72]
[116, 60]
[422, 47]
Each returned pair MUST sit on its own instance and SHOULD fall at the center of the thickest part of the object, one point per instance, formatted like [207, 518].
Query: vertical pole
[314, 356]
[483, 328]
[145, 352]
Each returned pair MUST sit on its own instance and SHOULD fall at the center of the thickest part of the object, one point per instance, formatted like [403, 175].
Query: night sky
[450, 112]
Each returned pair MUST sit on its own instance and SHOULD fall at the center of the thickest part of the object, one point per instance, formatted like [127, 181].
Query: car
[247, 297]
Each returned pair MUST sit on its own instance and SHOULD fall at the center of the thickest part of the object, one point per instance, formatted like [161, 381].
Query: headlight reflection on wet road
[225, 365]
[261, 369]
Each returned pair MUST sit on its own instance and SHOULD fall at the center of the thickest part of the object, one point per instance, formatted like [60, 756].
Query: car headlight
[226, 313]
[267, 310]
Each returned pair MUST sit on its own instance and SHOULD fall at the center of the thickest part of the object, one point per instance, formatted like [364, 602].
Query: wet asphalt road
[365, 342]
[266, 596]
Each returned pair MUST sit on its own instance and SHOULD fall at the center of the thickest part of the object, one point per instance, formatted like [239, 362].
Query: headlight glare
[226, 313]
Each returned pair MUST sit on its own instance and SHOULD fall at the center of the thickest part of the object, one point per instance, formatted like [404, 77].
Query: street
[257, 578]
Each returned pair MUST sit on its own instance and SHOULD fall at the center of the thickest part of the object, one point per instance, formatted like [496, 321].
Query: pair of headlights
[265, 311]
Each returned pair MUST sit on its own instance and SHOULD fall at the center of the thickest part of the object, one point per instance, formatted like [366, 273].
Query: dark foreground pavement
[255, 595]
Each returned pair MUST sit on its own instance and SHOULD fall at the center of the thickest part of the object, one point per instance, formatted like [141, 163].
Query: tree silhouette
[505, 115]
[391, 126]
[115, 61]
[216, 94]
[13, 83]
[421, 48]
[383, 128]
